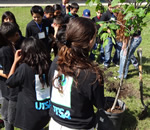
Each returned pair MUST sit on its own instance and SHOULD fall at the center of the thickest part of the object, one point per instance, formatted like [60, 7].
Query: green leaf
[115, 3]
[113, 26]
[89, 2]
[105, 42]
[132, 32]
[112, 33]
[130, 8]
[96, 56]
[104, 36]
[141, 13]
[98, 46]
[143, 24]
[128, 16]
[127, 34]
[113, 40]
[100, 22]
[97, 1]
[103, 28]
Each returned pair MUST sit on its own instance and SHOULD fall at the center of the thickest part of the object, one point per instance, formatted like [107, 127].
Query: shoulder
[24, 66]
[89, 74]
[6, 50]
[104, 14]
[93, 18]
[30, 24]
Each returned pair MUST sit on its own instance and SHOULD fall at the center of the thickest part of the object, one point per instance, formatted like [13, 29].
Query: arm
[67, 8]
[16, 60]
[3, 75]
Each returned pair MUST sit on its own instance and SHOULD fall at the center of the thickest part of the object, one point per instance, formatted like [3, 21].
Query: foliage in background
[134, 13]
[133, 104]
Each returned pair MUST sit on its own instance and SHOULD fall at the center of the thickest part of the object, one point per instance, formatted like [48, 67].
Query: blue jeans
[134, 44]
[92, 56]
[116, 57]
[108, 50]
[134, 61]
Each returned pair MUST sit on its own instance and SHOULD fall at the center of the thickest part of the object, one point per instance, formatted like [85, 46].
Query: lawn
[130, 93]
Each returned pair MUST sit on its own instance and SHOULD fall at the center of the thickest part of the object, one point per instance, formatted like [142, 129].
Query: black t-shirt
[35, 30]
[13, 95]
[6, 61]
[95, 20]
[33, 101]
[74, 107]
[108, 17]
[69, 16]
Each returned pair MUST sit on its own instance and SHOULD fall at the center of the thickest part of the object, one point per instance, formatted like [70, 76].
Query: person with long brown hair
[76, 83]
[135, 42]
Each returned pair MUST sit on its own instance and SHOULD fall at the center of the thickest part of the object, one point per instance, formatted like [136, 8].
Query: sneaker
[117, 65]
[106, 66]
[116, 77]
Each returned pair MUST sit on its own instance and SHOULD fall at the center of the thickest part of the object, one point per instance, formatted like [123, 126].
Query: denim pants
[134, 61]
[101, 57]
[108, 50]
[135, 42]
[8, 113]
[118, 47]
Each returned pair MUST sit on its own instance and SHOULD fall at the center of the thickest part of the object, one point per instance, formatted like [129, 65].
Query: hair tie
[67, 43]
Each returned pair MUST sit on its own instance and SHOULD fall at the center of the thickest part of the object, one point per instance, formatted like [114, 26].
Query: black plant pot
[108, 120]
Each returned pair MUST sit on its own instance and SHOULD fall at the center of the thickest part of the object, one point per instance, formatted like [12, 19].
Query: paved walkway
[21, 3]
[26, 3]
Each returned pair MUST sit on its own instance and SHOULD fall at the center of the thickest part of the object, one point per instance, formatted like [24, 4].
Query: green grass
[132, 98]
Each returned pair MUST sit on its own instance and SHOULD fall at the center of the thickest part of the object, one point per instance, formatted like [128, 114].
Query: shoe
[136, 67]
[117, 65]
[106, 66]
[116, 77]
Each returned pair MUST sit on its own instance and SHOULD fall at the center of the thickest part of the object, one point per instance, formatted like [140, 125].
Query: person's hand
[17, 56]
[55, 29]
[108, 31]
[67, 8]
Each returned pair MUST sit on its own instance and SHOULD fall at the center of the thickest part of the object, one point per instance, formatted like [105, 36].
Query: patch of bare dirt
[127, 89]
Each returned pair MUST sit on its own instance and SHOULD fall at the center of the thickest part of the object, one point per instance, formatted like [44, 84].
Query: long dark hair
[9, 14]
[74, 55]
[35, 55]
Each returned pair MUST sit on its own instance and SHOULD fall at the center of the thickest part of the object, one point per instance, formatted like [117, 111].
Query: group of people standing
[121, 42]
[36, 90]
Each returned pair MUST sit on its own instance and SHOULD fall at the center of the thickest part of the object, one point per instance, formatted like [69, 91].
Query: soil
[116, 110]
[108, 106]
[127, 89]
